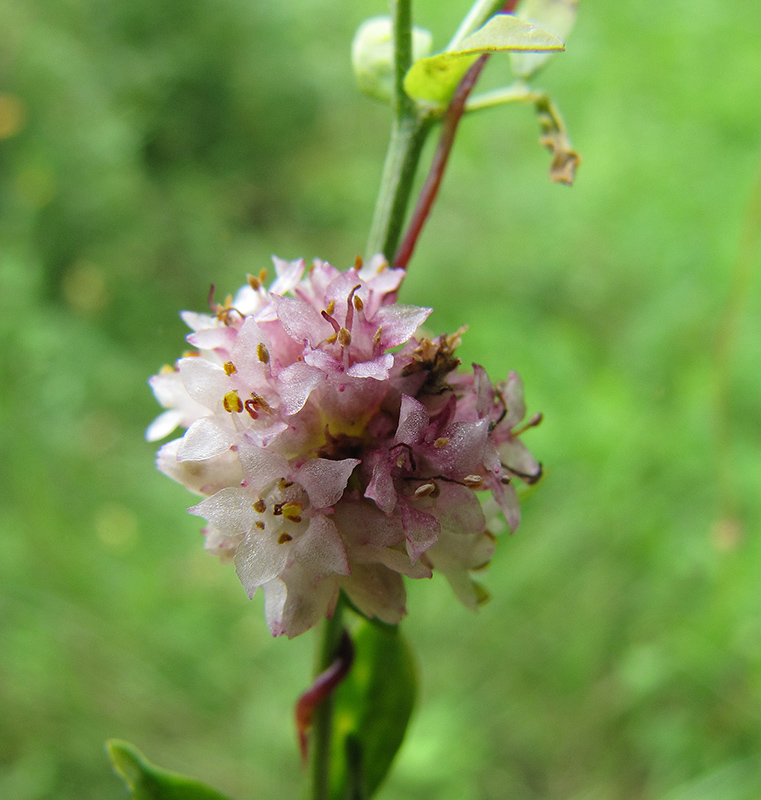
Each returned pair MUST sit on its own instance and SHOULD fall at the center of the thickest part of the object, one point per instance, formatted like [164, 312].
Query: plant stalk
[322, 723]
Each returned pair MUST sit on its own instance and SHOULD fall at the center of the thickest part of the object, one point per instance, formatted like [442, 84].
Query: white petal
[325, 480]
[377, 592]
[295, 384]
[378, 368]
[399, 322]
[261, 467]
[163, 425]
[259, 559]
[301, 321]
[205, 382]
[321, 550]
[229, 509]
[205, 438]
[413, 420]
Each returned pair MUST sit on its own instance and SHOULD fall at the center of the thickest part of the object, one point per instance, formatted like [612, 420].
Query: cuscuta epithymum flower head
[337, 448]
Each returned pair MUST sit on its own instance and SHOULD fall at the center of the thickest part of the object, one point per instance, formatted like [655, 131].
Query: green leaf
[434, 79]
[146, 781]
[556, 16]
[372, 55]
[372, 709]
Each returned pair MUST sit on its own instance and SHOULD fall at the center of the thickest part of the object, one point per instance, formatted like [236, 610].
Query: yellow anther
[358, 304]
[442, 441]
[190, 354]
[284, 537]
[332, 338]
[344, 337]
[166, 369]
[259, 524]
[473, 481]
[232, 402]
[259, 506]
[377, 337]
[262, 353]
[230, 368]
[358, 263]
[292, 511]
[254, 282]
[262, 275]
[331, 307]
[425, 490]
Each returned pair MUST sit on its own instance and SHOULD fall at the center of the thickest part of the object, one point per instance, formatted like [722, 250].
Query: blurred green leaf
[556, 16]
[435, 79]
[146, 781]
[372, 709]
[372, 55]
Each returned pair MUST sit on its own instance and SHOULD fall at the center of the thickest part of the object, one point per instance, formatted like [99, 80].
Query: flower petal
[325, 480]
[204, 439]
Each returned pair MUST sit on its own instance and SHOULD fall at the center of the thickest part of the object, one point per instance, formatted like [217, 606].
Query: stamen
[358, 263]
[292, 511]
[284, 537]
[262, 353]
[230, 368]
[425, 490]
[344, 337]
[331, 307]
[350, 306]
[254, 283]
[442, 441]
[232, 402]
[260, 506]
[259, 524]
[358, 304]
[473, 481]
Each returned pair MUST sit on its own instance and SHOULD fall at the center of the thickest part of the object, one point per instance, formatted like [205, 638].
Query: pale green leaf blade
[373, 707]
[556, 16]
[146, 781]
[434, 79]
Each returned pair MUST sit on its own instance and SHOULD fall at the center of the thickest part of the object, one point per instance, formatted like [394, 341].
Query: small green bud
[372, 55]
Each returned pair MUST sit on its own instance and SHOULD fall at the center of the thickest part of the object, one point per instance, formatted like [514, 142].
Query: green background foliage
[154, 147]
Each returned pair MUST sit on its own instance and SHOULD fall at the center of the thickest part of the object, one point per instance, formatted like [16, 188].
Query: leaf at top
[146, 781]
[556, 16]
[372, 709]
[435, 79]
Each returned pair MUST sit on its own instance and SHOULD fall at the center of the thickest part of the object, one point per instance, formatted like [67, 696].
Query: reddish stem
[430, 189]
[323, 686]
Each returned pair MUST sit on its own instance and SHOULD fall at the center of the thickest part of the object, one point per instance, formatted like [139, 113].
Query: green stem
[407, 139]
[408, 134]
[322, 723]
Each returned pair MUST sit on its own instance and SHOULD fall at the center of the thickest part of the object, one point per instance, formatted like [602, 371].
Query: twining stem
[452, 119]
[438, 165]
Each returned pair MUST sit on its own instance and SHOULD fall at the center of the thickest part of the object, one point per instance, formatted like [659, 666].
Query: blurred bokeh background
[152, 147]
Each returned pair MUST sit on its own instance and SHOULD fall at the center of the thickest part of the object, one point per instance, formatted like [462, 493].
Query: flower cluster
[336, 447]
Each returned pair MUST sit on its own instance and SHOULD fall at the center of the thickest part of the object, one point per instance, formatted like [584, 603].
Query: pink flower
[336, 448]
